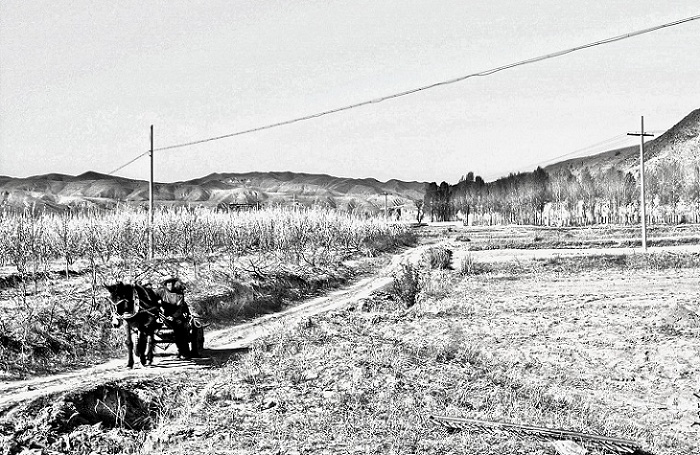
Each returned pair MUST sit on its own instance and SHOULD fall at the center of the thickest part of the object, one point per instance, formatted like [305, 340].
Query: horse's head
[121, 297]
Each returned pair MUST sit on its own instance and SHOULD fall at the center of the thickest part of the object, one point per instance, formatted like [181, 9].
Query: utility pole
[386, 205]
[150, 203]
[641, 134]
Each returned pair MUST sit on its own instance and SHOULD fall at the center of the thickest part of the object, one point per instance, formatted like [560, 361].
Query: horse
[142, 320]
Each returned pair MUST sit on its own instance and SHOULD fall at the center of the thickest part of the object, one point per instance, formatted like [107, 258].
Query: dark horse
[142, 319]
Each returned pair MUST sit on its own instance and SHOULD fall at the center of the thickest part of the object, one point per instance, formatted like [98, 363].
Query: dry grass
[539, 237]
[47, 333]
[569, 350]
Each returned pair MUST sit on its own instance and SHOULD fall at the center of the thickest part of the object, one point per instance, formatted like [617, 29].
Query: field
[53, 309]
[606, 349]
[601, 341]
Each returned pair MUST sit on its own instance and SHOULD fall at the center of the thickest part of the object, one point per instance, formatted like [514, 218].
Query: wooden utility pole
[150, 203]
[386, 205]
[641, 181]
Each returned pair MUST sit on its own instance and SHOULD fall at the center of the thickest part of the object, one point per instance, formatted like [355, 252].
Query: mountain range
[58, 192]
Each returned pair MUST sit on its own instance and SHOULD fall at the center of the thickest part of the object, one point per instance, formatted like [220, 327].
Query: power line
[614, 141]
[609, 143]
[606, 142]
[128, 162]
[434, 85]
[422, 88]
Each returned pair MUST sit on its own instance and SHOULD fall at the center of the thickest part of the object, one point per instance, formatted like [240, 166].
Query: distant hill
[58, 191]
[680, 143]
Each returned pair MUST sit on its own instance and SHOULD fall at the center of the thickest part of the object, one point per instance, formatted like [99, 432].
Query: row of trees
[563, 198]
[116, 242]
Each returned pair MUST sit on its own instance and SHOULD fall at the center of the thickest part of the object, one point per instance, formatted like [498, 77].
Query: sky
[82, 81]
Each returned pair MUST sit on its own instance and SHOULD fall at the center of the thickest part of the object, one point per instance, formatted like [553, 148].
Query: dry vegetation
[604, 344]
[565, 348]
[530, 237]
[53, 314]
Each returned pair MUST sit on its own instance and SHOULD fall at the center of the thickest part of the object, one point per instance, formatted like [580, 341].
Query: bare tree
[589, 194]
[691, 191]
[670, 177]
[419, 210]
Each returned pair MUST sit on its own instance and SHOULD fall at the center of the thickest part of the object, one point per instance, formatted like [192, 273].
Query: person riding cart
[176, 313]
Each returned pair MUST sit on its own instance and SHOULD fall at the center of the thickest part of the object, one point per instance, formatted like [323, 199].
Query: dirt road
[219, 346]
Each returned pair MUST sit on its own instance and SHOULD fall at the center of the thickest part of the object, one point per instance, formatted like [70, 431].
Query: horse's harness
[160, 318]
[128, 317]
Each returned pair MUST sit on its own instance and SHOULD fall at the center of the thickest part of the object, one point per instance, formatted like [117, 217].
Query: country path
[219, 345]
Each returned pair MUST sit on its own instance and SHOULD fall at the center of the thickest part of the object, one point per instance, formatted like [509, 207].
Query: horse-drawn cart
[135, 308]
[164, 335]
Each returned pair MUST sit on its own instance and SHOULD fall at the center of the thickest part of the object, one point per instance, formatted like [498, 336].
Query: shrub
[407, 284]
[438, 257]
[468, 266]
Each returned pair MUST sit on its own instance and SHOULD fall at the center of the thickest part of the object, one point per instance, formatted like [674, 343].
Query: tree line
[565, 198]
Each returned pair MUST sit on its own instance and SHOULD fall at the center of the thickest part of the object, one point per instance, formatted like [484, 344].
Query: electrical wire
[423, 88]
[436, 84]
[608, 144]
[605, 145]
[128, 163]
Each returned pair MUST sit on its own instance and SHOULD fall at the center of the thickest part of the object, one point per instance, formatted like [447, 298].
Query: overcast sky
[82, 81]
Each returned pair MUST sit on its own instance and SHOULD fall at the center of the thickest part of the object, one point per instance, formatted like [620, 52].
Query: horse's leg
[141, 345]
[129, 346]
[148, 328]
[150, 346]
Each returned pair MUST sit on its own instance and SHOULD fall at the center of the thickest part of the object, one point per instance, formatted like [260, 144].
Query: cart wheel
[197, 340]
